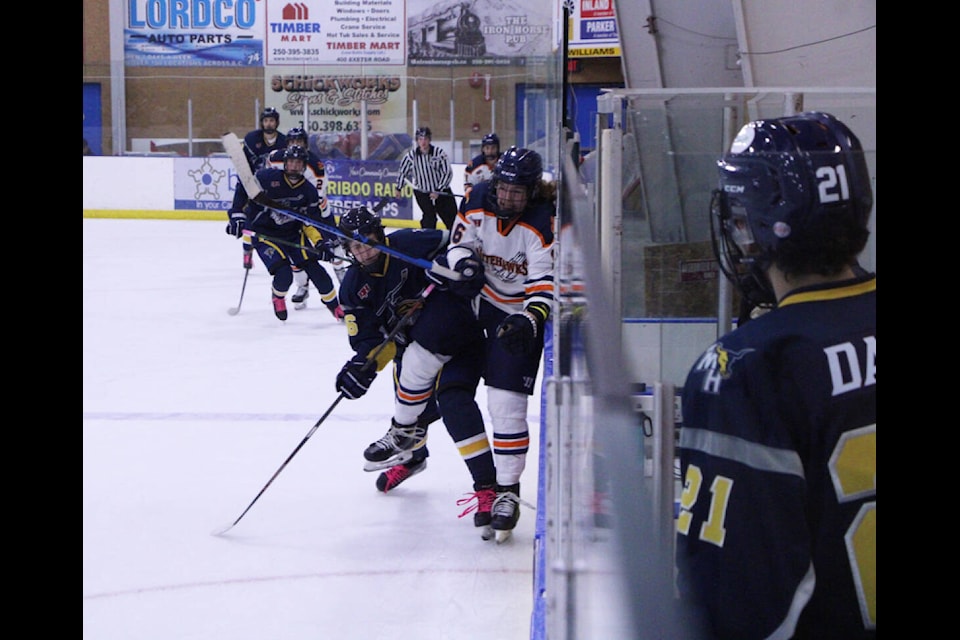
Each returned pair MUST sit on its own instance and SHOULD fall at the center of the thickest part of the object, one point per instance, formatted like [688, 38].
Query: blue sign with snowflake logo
[205, 184]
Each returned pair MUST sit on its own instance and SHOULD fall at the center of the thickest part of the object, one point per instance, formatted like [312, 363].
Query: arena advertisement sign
[194, 33]
[354, 183]
[482, 32]
[335, 32]
[203, 184]
[593, 30]
[328, 101]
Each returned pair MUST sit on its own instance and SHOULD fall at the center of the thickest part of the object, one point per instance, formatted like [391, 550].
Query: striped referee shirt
[427, 171]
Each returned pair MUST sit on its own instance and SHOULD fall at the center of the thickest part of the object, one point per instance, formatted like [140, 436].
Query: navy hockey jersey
[299, 196]
[777, 532]
[257, 150]
[377, 300]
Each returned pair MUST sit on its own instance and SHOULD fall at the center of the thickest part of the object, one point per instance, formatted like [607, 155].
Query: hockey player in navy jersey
[508, 220]
[481, 167]
[316, 175]
[257, 147]
[292, 191]
[777, 531]
[438, 357]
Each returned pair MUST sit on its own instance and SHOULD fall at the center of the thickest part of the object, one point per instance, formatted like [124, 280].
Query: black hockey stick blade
[235, 310]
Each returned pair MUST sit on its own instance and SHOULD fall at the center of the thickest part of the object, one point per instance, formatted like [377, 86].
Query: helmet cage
[362, 225]
[521, 167]
[294, 152]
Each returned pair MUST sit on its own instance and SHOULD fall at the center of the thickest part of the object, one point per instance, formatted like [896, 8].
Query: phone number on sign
[296, 52]
[334, 126]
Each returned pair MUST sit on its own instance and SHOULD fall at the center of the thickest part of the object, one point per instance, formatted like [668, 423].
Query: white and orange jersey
[517, 254]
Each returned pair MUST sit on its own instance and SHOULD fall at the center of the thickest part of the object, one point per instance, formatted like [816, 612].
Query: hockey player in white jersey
[482, 166]
[508, 221]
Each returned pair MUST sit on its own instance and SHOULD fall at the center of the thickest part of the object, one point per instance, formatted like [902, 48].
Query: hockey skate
[280, 307]
[480, 502]
[299, 298]
[395, 447]
[395, 475]
[506, 511]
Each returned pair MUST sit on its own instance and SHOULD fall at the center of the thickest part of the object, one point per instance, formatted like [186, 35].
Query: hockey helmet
[781, 174]
[491, 138]
[520, 167]
[297, 134]
[424, 132]
[270, 112]
[294, 152]
[361, 220]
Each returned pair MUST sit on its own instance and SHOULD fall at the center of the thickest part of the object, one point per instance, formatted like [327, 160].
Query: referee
[431, 174]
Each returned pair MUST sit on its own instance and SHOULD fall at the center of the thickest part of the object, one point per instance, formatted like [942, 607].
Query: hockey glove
[466, 263]
[324, 250]
[353, 379]
[238, 220]
[518, 333]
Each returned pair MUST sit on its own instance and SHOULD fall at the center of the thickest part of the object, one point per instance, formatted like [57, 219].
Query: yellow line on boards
[188, 214]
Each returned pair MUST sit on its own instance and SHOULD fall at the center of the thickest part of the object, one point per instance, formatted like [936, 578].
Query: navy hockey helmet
[490, 140]
[782, 174]
[361, 220]
[297, 134]
[424, 132]
[294, 152]
[270, 112]
[522, 167]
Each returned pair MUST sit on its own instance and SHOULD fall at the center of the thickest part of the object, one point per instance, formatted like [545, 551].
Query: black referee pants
[445, 208]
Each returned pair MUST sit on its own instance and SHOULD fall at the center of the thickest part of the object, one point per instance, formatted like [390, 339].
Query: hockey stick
[371, 361]
[294, 245]
[449, 195]
[231, 145]
[235, 310]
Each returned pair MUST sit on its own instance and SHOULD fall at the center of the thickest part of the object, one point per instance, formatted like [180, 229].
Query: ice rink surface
[188, 412]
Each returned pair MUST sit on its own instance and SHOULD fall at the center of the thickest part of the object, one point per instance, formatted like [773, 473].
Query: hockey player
[428, 169]
[777, 532]
[257, 146]
[377, 291]
[315, 175]
[482, 166]
[509, 221]
[290, 189]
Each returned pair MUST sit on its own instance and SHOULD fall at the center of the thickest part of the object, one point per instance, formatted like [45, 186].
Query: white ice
[187, 414]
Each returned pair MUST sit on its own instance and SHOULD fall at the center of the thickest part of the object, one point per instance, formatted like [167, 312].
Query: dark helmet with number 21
[783, 172]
